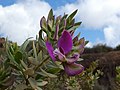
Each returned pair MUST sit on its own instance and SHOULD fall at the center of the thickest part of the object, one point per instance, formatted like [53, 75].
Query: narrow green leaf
[15, 46]
[33, 61]
[10, 56]
[42, 83]
[14, 66]
[43, 23]
[58, 19]
[50, 15]
[71, 23]
[33, 83]
[11, 50]
[62, 21]
[35, 52]
[41, 34]
[38, 88]
[9, 81]
[48, 74]
[18, 57]
[72, 28]
[23, 64]
[76, 25]
[41, 40]
[64, 17]
[69, 19]
[21, 87]
[40, 56]
[54, 70]
[50, 25]
[25, 44]
[86, 42]
[41, 74]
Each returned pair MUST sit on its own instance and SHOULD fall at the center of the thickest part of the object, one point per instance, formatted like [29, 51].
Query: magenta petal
[50, 50]
[73, 59]
[73, 69]
[65, 42]
[61, 57]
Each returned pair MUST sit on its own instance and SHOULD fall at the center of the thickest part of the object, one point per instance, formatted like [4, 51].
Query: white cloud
[21, 20]
[98, 14]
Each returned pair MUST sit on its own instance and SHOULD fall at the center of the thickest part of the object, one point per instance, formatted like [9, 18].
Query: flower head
[64, 47]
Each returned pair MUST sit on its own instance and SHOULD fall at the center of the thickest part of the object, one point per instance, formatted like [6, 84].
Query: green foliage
[29, 68]
[89, 77]
[84, 81]
[50, 24]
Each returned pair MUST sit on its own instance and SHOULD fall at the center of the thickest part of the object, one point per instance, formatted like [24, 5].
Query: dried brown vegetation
[107, 63]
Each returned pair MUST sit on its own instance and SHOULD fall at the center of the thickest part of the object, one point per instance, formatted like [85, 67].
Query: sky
[19, 19]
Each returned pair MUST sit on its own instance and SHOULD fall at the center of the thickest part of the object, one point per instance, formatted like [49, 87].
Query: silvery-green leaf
[54, 70]
[33, 83]
[42, 74]
[21, 87]
[35, 52]
[50, 15]
[48, 74]
[63, 18]
[9, 81]
[10, 56]
[23, 64]
[58, 19]
[41, 83]
[86, 42]
[76, 25]
[18, 57]
[33, 61]
[24, 45]
[29, 71]
[69, 19]
[40, 56]
[43, 23]
[38, 88]
[14, 66]
[50, 25]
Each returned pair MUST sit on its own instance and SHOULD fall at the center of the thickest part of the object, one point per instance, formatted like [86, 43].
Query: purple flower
[64, 46]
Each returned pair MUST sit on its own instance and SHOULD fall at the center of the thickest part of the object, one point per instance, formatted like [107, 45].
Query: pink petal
[73, 59]
[50, 50]
[65, 42]
[73, 69]
[61, 57]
